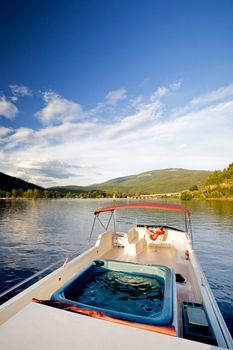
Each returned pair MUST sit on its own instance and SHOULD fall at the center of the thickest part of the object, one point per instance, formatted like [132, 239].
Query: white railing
[61, 262]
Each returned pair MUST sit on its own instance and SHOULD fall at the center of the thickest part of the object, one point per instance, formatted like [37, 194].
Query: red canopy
[145, 205]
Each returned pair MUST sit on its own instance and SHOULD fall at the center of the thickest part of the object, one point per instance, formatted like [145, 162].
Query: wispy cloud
[213, 96]
[7, 108]
[20, 90]
[219, 95]
[113, 97]
[176, 85]
[165, 90]
[14, 98]
[160, 92]
[147, 114]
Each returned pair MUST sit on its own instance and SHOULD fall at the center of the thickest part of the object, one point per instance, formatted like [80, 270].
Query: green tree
[14, 193]
[186, 195]
[46, 194]
[29, 194]
[70, 195]
[36, 193]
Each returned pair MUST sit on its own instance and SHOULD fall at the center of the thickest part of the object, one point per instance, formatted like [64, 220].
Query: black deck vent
[179, 278]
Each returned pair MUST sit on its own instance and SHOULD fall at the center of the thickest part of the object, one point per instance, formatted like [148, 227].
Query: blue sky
[93, 90]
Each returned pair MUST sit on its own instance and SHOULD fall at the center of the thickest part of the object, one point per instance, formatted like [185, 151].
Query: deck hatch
[196, 324]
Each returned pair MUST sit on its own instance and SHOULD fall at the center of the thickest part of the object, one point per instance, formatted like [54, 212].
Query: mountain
[8, 183]
[156, 181]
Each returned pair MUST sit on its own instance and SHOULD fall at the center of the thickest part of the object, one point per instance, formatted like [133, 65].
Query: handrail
[39, 273]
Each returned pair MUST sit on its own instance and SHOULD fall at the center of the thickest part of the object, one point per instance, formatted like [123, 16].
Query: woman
[155, 233]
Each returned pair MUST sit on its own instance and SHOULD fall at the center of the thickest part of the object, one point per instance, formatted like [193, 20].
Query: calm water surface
[35, 234]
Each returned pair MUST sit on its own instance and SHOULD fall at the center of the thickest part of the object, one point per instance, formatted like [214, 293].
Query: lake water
[37, 233]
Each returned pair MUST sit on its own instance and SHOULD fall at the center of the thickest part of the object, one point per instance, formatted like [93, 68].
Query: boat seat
[131, 235]
[134, 243]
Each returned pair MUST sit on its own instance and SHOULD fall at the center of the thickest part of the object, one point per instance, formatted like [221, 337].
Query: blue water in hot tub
[129, 291]
[122, 291]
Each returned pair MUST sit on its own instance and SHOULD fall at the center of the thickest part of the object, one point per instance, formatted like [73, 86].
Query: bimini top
[145, 205]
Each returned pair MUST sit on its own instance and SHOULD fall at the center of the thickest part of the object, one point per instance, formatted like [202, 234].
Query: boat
[128, 290]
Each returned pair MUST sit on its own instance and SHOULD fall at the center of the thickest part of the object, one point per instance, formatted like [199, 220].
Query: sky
[97, 89]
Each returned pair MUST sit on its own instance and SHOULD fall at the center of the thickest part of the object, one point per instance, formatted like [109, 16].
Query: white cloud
[58, 109]
[21, 137]
[4, 131]
[21, 134]
[7, 108]
[20, 90]
[145, 139]
[113, 97]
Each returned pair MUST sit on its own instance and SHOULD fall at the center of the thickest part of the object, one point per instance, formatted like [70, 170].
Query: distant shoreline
[125, 198]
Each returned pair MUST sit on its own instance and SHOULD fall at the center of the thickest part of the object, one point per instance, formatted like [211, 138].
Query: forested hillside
[223, 178]
[219, 184]
[7, 183]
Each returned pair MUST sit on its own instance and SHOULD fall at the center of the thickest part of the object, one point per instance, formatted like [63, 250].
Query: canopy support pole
[92, 229]
[105, 228]
[109, 220]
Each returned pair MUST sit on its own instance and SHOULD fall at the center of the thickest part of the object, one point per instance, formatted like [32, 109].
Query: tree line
[35, 193]
[218, 185]
[30, 194]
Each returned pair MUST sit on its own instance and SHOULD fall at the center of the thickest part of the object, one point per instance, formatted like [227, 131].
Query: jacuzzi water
[121, 291]
[129, 291]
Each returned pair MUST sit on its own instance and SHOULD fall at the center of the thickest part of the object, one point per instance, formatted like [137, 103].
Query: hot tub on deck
[128, 291]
